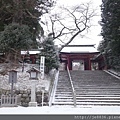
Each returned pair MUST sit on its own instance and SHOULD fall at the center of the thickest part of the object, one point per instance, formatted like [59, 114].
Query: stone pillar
[33, 102]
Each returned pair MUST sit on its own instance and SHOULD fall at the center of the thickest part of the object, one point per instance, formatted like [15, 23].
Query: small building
[76, 57]
[30, 56]
[79, 57]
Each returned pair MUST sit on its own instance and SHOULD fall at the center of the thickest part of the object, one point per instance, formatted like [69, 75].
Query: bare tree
[71, 22]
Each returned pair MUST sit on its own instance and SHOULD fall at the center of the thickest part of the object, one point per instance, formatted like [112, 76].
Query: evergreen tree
[110, 45]
[50, 53]
[13, 39]
[24, 12]
[20, 25]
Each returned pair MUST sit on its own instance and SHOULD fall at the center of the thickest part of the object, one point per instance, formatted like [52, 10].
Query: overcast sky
[93, 36]
[71, 2]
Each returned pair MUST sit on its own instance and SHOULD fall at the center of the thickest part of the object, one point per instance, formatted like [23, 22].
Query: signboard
[13, 77]
[33, 74]
[42, 66]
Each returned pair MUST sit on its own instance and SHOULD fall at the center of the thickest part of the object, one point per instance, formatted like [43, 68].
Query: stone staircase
[63, 93]
[92, 88]
[96, 88]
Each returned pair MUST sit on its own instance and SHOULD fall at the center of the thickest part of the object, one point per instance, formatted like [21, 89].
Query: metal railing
[73, 89]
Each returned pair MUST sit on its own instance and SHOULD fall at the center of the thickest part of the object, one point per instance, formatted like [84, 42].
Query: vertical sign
[42, 65]
[12, 79]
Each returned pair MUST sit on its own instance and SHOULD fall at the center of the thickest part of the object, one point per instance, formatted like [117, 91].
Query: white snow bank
[62, 110]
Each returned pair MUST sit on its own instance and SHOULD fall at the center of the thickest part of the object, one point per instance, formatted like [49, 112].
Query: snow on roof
[79, 49]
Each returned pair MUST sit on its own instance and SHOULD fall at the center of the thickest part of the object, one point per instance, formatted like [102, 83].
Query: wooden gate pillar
[69, 63]
[89, 64]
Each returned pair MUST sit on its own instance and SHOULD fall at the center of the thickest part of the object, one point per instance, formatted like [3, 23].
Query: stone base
[32, 104]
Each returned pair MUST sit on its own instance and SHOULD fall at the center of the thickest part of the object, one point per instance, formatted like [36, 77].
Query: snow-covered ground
[23, 81]
[53, 109]
[61, 110]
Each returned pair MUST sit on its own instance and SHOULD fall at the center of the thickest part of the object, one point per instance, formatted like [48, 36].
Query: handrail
[73, 89]
[52, 94]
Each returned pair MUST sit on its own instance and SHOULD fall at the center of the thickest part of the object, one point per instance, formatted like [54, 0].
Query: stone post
[33, 102]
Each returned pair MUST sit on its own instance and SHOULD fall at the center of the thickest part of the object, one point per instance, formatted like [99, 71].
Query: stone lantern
[33, 77]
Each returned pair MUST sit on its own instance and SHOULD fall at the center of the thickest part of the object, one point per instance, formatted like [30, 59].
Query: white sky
[93, 36]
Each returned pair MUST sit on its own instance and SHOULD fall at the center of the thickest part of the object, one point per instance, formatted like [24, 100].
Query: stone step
[98, 94]
[86, 95]
[78, 100]
[100, 82]
[97, 87]
[61, 87]
[59, 84]
[87, 103]
[89, 98]
[90, 93]
[97, 91]
[62, 103]
[63, 93]
[63, 90]
[63, 97]
[92, 88]
[96, 84]
[63, 81]
[87, 88]
[93, 78]
[80, 89]
[63, 100]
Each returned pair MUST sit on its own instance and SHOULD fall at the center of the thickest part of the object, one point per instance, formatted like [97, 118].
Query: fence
[8, 101]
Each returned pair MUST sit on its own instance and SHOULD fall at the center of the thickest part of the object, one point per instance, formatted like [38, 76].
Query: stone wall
[25, 96]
